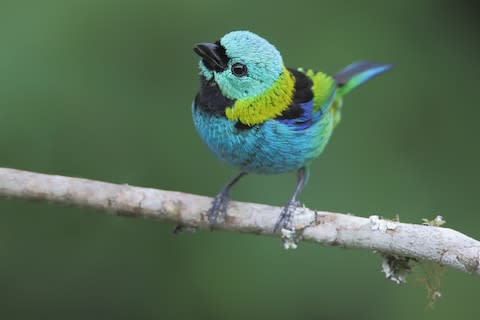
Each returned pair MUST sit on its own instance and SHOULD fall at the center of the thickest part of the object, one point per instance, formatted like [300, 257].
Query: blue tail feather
[358, 73]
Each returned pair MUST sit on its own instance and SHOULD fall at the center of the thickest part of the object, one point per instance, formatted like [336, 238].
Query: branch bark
[440, 245]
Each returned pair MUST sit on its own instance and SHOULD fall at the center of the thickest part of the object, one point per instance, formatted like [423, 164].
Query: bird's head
[241, 63]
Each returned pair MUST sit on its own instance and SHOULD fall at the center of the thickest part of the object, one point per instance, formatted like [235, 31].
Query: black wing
[299, 114]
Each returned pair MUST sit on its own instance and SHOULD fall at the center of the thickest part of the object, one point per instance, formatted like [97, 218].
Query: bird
[262, 117]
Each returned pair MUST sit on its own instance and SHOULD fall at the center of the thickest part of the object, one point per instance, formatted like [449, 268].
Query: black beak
[213, 56]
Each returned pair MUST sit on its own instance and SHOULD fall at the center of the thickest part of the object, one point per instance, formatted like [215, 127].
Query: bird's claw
[288, 230]
[218, 208]
[286, 216]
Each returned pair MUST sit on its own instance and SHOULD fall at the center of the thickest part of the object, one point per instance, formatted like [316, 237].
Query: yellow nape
[322, 87]
[269, 104]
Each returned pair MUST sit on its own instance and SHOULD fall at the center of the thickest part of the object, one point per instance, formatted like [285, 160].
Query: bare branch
[440, 245]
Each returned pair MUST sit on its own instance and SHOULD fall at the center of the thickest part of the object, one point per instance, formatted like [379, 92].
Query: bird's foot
[286, 223]
[218, 208]
[285, 220]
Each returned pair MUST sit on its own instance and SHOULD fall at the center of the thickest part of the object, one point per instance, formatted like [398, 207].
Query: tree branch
[440, 245]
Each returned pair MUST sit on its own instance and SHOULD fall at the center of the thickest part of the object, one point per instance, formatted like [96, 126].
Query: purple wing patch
[300, 116]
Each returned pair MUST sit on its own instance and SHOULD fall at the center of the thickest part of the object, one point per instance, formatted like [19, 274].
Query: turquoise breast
[269, 148]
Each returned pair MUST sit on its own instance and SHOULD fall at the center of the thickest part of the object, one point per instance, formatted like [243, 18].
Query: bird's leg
[220, 202]
[286, 216]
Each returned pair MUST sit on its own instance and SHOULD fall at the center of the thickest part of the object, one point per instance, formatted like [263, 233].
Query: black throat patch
[210, 99]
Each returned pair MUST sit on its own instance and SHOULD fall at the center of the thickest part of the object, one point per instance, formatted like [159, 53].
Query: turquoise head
[241, 63]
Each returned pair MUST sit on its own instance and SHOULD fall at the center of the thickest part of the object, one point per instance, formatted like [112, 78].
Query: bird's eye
[239, 69]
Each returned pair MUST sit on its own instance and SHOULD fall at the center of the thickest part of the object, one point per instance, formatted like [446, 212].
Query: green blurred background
[102, 90]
